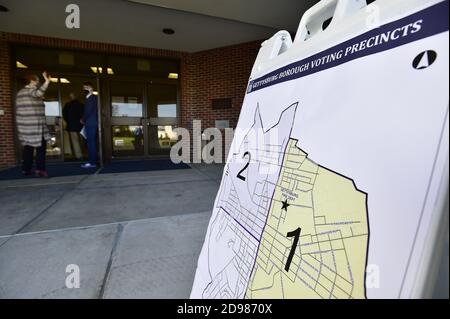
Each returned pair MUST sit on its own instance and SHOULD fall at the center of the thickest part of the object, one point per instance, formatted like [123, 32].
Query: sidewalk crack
[112, 256]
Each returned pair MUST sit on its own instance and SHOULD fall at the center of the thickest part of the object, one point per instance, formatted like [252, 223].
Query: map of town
[283, 226]
[318, 218]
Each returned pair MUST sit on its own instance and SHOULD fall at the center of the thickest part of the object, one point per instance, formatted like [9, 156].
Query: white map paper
[330, 206]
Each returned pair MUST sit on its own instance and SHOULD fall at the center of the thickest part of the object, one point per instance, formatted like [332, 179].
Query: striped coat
[30, 116]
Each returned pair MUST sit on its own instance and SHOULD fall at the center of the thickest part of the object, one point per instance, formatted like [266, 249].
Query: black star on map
[285, 205]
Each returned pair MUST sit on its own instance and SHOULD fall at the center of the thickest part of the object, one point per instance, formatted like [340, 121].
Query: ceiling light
[168, 31]
[95, 92]
[54, 80]
[64, 80]
[173, 76]
[20, 65]
[96, 69]
[110, 71]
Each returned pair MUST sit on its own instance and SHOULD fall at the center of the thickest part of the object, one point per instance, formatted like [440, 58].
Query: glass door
[127, 117]
[53, 116]
[162, 118]
[73, 99]
[61, 146]
[142, 118]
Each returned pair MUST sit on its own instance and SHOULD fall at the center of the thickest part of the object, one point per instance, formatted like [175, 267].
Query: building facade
[144, 93]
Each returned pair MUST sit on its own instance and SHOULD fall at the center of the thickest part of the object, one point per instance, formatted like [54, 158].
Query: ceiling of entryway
[198, 24]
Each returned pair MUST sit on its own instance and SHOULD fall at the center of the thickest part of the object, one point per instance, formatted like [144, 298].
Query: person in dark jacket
[73, 113]
[90, 121]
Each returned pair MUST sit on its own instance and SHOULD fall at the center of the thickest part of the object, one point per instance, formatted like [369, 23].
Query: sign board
[339, 162]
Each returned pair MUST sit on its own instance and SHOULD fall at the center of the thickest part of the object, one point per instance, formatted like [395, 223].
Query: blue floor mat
[142, 165]
[54, 170]
[72, 169]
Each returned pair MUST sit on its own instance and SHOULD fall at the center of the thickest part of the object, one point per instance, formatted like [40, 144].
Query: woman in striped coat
[31, 125]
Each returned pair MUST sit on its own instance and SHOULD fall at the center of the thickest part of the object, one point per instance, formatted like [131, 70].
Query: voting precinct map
[334, 165]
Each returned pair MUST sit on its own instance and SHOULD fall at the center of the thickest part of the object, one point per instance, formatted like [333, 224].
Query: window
[167, 110]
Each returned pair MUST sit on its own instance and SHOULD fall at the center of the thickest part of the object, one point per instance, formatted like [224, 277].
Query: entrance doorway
[60, 147]
[143, 116]
[138, 100]
[76, 88]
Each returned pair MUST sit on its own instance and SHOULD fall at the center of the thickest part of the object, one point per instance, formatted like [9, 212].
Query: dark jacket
[73, 113]
[90, 111]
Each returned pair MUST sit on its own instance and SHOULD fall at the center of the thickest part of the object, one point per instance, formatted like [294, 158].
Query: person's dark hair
[89, 84]
[30, 77]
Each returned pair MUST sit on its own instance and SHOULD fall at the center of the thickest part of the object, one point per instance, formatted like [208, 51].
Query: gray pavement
[34, 265]
[160, 265]
[133, 235]
[19, 206]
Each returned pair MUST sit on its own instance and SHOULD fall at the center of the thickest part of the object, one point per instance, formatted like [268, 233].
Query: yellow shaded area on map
[329, 260]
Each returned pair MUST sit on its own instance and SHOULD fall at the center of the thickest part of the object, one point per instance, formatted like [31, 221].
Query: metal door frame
[144, 121]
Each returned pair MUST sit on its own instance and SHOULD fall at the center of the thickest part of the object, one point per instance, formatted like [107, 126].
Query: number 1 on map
[296, 235]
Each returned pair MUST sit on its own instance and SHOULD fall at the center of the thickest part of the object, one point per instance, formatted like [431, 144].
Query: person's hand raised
[46, 76]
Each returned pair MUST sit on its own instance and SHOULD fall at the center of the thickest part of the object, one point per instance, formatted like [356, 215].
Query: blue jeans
[91, 138]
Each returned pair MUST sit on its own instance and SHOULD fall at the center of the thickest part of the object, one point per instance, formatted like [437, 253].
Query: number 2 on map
[296, 235]
[245, 167]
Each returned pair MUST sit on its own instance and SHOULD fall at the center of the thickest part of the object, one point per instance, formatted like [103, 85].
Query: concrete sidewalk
[133, 235]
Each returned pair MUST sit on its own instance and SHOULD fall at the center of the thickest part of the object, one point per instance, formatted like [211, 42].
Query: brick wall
[213, 74]
[217, 73]
[7, 148]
